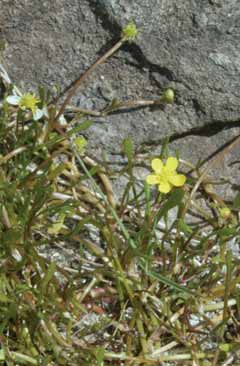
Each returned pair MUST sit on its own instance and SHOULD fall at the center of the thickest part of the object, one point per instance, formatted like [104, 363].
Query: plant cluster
[153, 279]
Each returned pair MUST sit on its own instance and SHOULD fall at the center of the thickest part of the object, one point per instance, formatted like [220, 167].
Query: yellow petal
[164, 187]
[152, 179]
[177, 180]
[171, 164]
[157, 165]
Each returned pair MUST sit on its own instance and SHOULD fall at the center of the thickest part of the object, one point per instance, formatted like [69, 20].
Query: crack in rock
[208, 130]
[190, 46]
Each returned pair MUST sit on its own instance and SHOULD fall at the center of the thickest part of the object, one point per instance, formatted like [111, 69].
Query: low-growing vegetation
[147, 276]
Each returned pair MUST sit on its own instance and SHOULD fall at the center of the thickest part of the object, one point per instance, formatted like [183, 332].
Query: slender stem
[87, 112]
[163, 349]
[23, 359]
[13, 153]
[99, 191]
[119, 106]
[227, 283]
[88, 289]
[149, 360]
[141, 331]
[5, 218]
[212, 163]
[84, 76]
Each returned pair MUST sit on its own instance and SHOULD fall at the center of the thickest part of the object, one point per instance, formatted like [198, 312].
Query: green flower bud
[225, 213]
[130, 31]
[168, 96]
[80, 143]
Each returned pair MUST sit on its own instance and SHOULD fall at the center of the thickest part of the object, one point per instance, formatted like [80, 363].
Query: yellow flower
[165, 176]
[28, 101]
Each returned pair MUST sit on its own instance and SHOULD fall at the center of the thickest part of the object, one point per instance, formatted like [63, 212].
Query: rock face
[191, 46]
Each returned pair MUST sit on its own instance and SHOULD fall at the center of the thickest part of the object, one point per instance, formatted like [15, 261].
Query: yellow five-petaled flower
[165, 176]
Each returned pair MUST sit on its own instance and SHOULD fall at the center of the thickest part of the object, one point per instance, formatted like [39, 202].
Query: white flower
[28, 101]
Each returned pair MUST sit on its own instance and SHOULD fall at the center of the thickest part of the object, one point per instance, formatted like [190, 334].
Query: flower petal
[164, 187]
[13, 99]
[62, 120]
[152, 179]
[157, 165]
[45, 111]
[177, 180]
[38, 114]
[172, 163]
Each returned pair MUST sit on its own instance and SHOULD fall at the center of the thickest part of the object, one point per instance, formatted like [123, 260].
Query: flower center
[28, 101]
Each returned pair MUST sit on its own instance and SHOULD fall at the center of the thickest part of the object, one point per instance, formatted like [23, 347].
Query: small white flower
[28, 101]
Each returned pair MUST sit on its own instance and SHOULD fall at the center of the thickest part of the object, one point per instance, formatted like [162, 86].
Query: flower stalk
[128, 34]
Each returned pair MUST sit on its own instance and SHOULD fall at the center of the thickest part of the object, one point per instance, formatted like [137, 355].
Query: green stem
[142, 335]
[84, 76]
[23, 359]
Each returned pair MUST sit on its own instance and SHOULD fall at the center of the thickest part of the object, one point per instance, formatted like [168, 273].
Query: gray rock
[191, 46]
